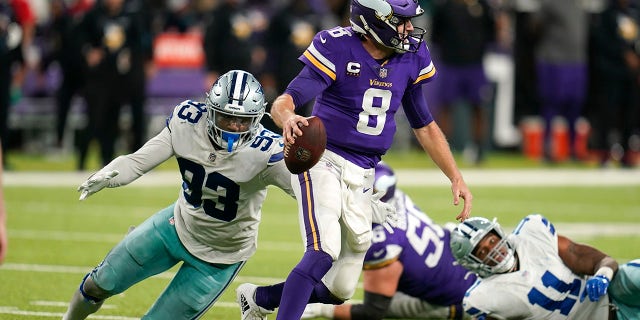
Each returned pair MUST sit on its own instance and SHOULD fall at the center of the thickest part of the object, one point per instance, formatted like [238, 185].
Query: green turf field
[55, 240]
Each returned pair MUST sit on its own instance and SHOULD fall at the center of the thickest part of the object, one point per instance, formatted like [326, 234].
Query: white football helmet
[238, 95]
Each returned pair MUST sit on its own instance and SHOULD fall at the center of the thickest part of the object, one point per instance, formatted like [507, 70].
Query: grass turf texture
[55, 240]
[413, 158]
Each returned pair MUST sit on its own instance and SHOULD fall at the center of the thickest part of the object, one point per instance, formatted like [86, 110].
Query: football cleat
[249, 309]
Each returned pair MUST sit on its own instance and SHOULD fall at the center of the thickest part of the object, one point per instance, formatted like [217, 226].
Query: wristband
[605, 271]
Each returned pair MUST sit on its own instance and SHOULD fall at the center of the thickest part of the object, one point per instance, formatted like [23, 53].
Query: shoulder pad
[190, 112]
[270, 143]
[427, 70]
[321, 53]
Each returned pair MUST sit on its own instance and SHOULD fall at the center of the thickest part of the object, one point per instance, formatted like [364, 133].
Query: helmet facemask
[500, 259]
[235, 105]
[465, 239]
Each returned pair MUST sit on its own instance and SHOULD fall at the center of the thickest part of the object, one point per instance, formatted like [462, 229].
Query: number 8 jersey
[542, 288]
[363, 94]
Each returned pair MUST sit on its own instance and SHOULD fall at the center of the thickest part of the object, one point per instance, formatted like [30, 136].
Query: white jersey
[219, 207]
[542, 288]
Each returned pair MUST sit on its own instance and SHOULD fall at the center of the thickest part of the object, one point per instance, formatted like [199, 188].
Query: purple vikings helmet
[380, 18]
[385, 181]
[238, 94]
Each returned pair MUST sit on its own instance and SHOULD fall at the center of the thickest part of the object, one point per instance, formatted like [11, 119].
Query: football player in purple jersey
[359, 76]
[408, 273]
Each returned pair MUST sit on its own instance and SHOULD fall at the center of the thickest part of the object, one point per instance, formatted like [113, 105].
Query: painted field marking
[406, 177]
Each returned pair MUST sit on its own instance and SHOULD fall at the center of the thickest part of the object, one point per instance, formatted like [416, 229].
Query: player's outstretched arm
[436, 146]
[96, 182]
[3, 217]
[583, 259]
[129, 167]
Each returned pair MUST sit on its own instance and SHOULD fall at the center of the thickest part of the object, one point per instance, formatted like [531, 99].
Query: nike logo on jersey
[323, 40]
[365, 190]
[377, 254]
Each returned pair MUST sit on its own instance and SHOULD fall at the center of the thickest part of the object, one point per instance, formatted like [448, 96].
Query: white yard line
[44, 268]
[406, 177]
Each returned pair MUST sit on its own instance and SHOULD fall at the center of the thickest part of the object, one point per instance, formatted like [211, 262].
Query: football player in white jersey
[534, 273]
[226, 160]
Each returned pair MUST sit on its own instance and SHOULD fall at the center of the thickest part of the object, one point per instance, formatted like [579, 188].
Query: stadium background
[54, 239]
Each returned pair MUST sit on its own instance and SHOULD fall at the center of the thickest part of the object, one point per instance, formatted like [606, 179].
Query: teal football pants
[154, 247]
[624, 290]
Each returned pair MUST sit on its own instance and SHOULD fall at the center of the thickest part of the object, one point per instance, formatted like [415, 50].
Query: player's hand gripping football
[291, 128]
[384, 213]
[95, 183]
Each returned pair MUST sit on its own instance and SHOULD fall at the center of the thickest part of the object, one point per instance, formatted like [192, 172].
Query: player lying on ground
[534, 273]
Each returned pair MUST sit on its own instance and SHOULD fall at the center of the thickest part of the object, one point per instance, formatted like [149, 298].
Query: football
[308, 148]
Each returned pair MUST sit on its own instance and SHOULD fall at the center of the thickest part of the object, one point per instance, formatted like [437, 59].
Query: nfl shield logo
[382, 73]
[212, 157]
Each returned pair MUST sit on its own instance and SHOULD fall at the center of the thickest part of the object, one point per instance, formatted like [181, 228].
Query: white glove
[318, 310]
[384, 213]
[95, 183]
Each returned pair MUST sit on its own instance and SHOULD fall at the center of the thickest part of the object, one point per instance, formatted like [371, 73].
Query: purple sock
[322, 294]
[301, 282]
[269, 297]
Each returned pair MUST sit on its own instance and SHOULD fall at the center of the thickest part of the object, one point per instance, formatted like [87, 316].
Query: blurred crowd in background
[556, 80]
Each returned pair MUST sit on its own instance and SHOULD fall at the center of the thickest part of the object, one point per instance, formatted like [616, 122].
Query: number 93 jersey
[542, 288]
[219, 207]
[358, 106]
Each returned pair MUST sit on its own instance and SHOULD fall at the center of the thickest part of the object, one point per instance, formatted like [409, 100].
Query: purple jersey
[363, 95]
[423, 249]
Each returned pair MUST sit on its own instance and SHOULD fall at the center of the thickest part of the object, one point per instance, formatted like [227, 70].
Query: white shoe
[249, 310]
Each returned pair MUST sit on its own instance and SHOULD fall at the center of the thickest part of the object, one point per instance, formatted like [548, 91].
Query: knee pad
[342, 278]
[106, 279]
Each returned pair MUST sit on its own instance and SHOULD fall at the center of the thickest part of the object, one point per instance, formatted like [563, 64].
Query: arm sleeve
[278, 175]
[374, 307]
[306, 86]
[416, 108]
[157, 150]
